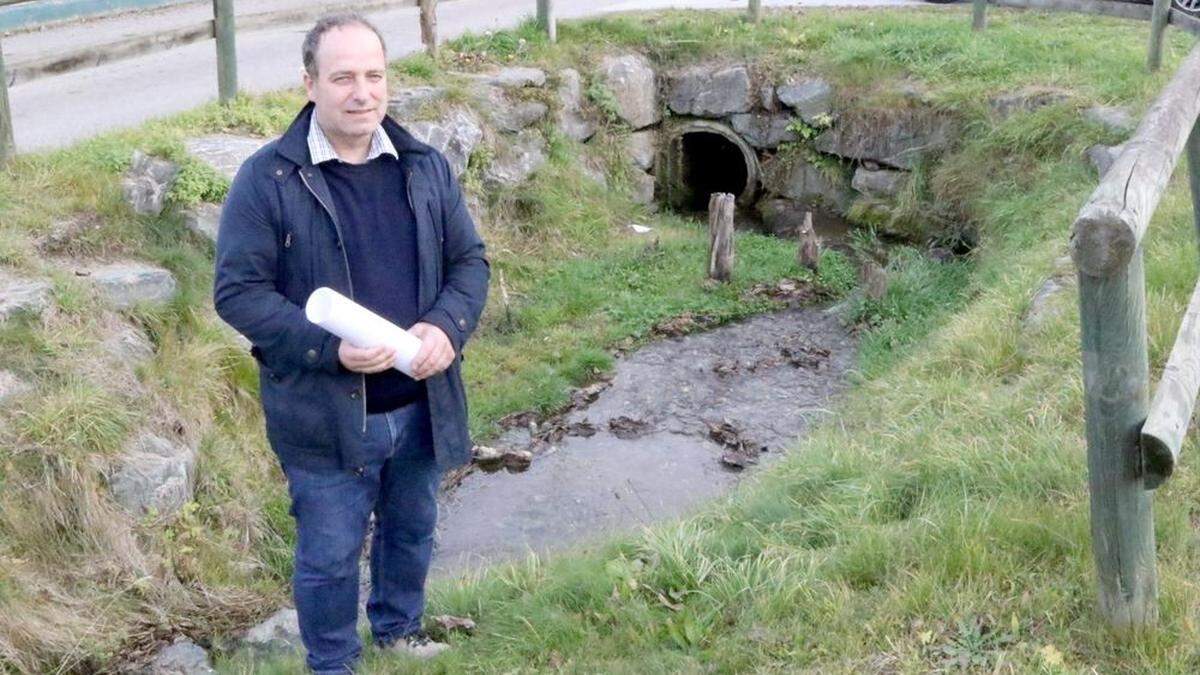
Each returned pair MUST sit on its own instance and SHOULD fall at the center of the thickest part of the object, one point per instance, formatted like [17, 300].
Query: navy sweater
[380, 236]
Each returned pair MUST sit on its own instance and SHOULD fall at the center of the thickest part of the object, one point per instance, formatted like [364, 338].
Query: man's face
[350, 89]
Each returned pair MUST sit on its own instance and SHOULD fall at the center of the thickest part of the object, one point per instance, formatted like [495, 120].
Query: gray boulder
[781, 217]
[22, 295]
[405, 105]
[570, 119]
[147, 183]
[643, 147]
[767, 98]
[882, 183]
[800, 181]
[642, 188]
[181, 657]
[507, 115]
[455, 136]
[810, 97]
[516, 160]
[129, 345]
[764, 131]
[513, 78]
[631, 80]
[1026, 100]
[204, 220]
[224, 152]
[707, 92]
[1116, 119]
[12, 387]
[898, 138]
[125, 284]
[279, 633]
[1103, 156]
[1044, 304]
[153, 475]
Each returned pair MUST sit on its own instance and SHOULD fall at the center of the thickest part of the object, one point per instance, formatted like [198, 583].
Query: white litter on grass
[640, 229]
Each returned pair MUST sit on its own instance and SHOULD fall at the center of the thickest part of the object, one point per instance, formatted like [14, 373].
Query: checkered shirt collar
[321, 150]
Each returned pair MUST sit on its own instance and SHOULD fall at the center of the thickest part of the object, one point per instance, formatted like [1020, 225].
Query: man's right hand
[372, 360]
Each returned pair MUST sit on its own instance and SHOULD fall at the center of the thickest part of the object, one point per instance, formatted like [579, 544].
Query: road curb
[91, 57]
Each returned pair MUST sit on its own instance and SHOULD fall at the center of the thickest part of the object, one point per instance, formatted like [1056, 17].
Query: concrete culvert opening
[705, 157]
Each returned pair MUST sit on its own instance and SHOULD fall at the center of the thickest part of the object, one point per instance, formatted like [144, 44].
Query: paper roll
[360, 326]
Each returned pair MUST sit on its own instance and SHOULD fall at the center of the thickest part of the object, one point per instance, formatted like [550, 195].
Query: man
[347, 199]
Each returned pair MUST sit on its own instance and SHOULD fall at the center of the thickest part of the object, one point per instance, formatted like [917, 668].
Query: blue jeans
[332, 510]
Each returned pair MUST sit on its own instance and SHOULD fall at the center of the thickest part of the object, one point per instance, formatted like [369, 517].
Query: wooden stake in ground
[809, 253]
[874, 280]
[545, 18]
[720, 236]
[7, 148]
[754, 12]
[429, 36]
[224, 32]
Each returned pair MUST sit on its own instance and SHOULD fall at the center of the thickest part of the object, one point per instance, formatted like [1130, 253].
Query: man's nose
[361, 89]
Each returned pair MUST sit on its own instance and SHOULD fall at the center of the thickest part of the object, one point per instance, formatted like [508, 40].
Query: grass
[940, 522]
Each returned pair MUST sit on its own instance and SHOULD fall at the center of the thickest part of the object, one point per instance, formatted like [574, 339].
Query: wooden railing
[1133, 445]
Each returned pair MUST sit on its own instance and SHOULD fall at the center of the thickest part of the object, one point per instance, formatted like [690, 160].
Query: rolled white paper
[360, 326]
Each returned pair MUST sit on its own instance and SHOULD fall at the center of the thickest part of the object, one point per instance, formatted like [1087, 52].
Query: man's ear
[309, 83]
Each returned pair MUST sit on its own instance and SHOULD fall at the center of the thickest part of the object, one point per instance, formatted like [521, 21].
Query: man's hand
[372, 360]
[436, 353]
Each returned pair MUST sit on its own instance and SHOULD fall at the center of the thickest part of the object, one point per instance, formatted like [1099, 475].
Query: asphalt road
[57, 111]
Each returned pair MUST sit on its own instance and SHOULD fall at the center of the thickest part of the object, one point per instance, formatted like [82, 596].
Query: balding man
[348, 199]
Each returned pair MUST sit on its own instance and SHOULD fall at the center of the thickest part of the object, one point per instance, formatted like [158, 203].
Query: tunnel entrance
[704, 157]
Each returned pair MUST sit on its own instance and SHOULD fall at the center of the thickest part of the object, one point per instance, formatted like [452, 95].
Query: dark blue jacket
[280, 240]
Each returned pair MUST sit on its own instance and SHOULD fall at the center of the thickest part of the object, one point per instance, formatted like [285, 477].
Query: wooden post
[1192, 150]
[754, 11]
[720, 236]
[546, 19]
[978, 18]
[1158, 25]
[808, 254]
[429, 35]
[7, 147]
[223, 31]
[1115, 381]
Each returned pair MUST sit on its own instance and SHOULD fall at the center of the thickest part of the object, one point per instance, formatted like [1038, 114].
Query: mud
[681, 421]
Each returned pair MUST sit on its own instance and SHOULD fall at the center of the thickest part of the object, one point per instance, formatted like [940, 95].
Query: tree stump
[809, 253]
[429, 26]
[720, 236]
[874, 280]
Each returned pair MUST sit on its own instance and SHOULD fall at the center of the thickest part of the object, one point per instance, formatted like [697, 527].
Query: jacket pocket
[297, 410]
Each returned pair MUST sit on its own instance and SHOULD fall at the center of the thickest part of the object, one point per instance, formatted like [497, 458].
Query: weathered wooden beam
[1110, 225]
[978, 16]
[224, 31]
[429, 32]
[1174, 400]
[720, 236]
[547, 20]
[1193, 159]
[1115, 382]
[7, 147]
[1159, 14]
[754, 11]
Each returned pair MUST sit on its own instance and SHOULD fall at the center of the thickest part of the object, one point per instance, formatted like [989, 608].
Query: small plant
[605, 100]
[198, 182]
[808, 132]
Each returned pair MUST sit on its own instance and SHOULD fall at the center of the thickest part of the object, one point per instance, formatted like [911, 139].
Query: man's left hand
[435, 355]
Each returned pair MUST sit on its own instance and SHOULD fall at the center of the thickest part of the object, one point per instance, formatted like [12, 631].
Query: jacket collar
[293, 145]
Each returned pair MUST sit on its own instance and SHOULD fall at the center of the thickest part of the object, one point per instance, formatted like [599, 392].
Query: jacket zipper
[362, 394]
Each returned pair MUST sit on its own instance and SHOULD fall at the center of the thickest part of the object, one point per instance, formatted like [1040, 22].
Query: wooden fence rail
[1128, 455]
